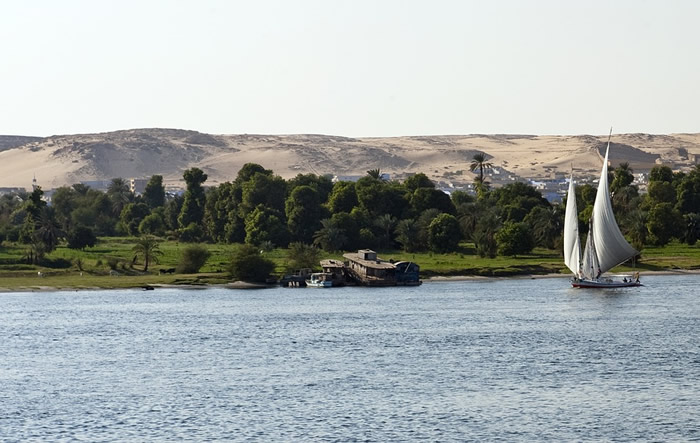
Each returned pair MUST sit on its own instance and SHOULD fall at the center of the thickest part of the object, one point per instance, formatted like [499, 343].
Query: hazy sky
[353, 68]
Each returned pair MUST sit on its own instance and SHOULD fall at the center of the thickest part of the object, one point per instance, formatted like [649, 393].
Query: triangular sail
[611, 248]
[590, 268]
[572, 243]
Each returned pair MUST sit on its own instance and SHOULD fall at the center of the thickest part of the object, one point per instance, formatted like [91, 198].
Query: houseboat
[367, 269]
[337, 270]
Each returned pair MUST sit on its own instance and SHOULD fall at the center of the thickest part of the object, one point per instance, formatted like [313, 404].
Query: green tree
[265, 224]
[248, 170]
[154, 194]
[661, 192]
[547, 224]
[407, 232]
[426, 198]
[303, 209]
[417, 181]
[152, 224]
[692, 228]
[192, 259]
[330, 237]
[664, 222]
[343, 197]
[635, 223]
[688, 192]
[460, 198]
[386, 224]
[484, 234]
[444, 233]
[623, 177]
[321, 183]
[263, 189]
[375, 174]
[661, 173]
[479, 162]
[514, 239]
[119, 193]
[247, 264]
[148, 249]
[132, 215]
[193, 205]
[81, 237]
[47, 231]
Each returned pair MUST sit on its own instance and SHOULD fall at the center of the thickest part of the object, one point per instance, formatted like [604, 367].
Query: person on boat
[624, 279]
[598, 274]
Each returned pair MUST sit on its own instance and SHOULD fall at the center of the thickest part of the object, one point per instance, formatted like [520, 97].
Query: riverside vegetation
[115, 238]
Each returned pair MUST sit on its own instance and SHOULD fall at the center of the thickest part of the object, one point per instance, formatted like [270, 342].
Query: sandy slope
[68, 159]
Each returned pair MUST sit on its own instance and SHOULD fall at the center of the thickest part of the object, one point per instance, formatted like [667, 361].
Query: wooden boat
[606, 247]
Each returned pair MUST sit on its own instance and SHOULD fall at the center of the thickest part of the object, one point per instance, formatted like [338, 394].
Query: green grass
[62, 271]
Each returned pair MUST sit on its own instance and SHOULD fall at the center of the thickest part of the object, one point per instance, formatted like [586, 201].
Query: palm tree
[547, 224]
[149, 248]
[375, 173]
[47, 230]
[386, 223]
[330, 237]
[119, 194]
[635, 223]
[479, 162]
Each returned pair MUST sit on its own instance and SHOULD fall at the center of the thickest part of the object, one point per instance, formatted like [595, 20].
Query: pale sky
[352, 68]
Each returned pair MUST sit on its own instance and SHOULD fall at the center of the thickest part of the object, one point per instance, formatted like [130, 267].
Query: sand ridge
[140, 153]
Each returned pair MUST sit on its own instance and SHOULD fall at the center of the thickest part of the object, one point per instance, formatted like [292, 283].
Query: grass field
[67, 268]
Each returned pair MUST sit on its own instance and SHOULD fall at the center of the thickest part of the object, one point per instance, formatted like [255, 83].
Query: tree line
[262, 209]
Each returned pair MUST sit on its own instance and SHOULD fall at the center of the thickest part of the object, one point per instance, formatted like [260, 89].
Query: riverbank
[244, 285]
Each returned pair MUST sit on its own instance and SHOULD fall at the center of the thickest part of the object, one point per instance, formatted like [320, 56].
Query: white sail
[572, 244]
[590, 268]
[611, 248]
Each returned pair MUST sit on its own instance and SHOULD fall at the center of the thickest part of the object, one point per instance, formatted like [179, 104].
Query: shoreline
[241, 285]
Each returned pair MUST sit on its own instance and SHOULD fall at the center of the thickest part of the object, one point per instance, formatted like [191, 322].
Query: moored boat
[320, 280]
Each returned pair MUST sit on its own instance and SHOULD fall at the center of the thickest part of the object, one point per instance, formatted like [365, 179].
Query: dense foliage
[260, 208]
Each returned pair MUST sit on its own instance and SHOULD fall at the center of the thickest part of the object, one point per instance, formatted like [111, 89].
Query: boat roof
[376, 264]
[332, 263]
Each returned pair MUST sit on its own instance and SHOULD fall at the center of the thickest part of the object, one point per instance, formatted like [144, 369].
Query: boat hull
[602, 284]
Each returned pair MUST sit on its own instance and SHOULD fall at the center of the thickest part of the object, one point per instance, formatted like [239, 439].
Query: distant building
[353, 178]
[138, 185]
[99, 185]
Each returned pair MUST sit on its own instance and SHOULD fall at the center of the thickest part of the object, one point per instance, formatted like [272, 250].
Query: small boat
[606, 247]
[320, 280]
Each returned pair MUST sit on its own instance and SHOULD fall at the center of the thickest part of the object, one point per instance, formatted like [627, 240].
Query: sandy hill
[140, 153]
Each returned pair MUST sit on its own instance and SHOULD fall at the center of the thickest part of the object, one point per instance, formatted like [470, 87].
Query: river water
[511, 359]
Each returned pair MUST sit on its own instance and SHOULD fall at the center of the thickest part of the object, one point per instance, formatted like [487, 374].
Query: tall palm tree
[386, 223]
[47, 230]
[149, 249]
[119, 194]
[479, 162]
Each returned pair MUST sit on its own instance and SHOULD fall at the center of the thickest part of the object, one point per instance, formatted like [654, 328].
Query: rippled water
[454, 361]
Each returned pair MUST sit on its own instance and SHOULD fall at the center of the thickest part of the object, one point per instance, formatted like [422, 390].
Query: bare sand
[68, 159]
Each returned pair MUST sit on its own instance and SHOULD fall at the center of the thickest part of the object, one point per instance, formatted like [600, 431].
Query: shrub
[112, 262]
[514, 239]
[248, 264]
[81, 237]
[301, 256]
[192, 259]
